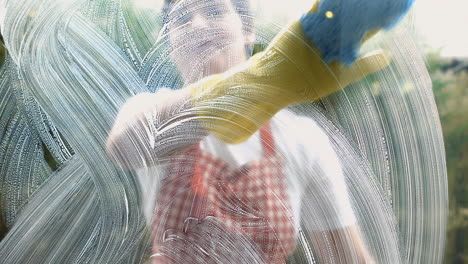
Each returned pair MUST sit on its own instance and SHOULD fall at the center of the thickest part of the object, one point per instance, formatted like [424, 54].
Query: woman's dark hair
[242, 8]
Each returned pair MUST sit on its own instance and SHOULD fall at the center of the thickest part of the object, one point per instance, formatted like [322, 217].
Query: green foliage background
[450, 83]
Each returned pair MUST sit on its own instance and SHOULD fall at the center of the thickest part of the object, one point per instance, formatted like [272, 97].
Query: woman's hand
[338, 28]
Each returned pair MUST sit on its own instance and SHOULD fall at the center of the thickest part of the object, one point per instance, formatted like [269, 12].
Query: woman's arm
[327, 214]
[342, 245]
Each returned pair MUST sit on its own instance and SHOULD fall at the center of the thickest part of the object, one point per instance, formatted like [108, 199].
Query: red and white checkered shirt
[250, 202]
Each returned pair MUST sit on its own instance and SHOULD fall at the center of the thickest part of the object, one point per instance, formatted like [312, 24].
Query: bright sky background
[441, 23]
[444, 24]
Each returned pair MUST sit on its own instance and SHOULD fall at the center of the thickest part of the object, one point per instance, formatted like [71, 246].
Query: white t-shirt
[316, 185]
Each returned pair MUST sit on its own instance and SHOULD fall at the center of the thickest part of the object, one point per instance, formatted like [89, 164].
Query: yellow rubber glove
[234, 105]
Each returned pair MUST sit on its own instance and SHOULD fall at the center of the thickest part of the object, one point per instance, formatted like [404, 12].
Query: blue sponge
[338, 27]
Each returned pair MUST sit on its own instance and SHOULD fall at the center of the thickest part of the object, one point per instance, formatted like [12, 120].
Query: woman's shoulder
[296, 127]
[301, 139]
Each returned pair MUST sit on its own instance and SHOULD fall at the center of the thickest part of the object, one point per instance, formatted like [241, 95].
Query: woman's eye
[186, 18]
[215, 12]
[182, 19]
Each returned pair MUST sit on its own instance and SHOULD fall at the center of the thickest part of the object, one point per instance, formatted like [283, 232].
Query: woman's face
[206, 37]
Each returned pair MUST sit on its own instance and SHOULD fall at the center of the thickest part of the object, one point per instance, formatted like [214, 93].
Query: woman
[216, 192]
